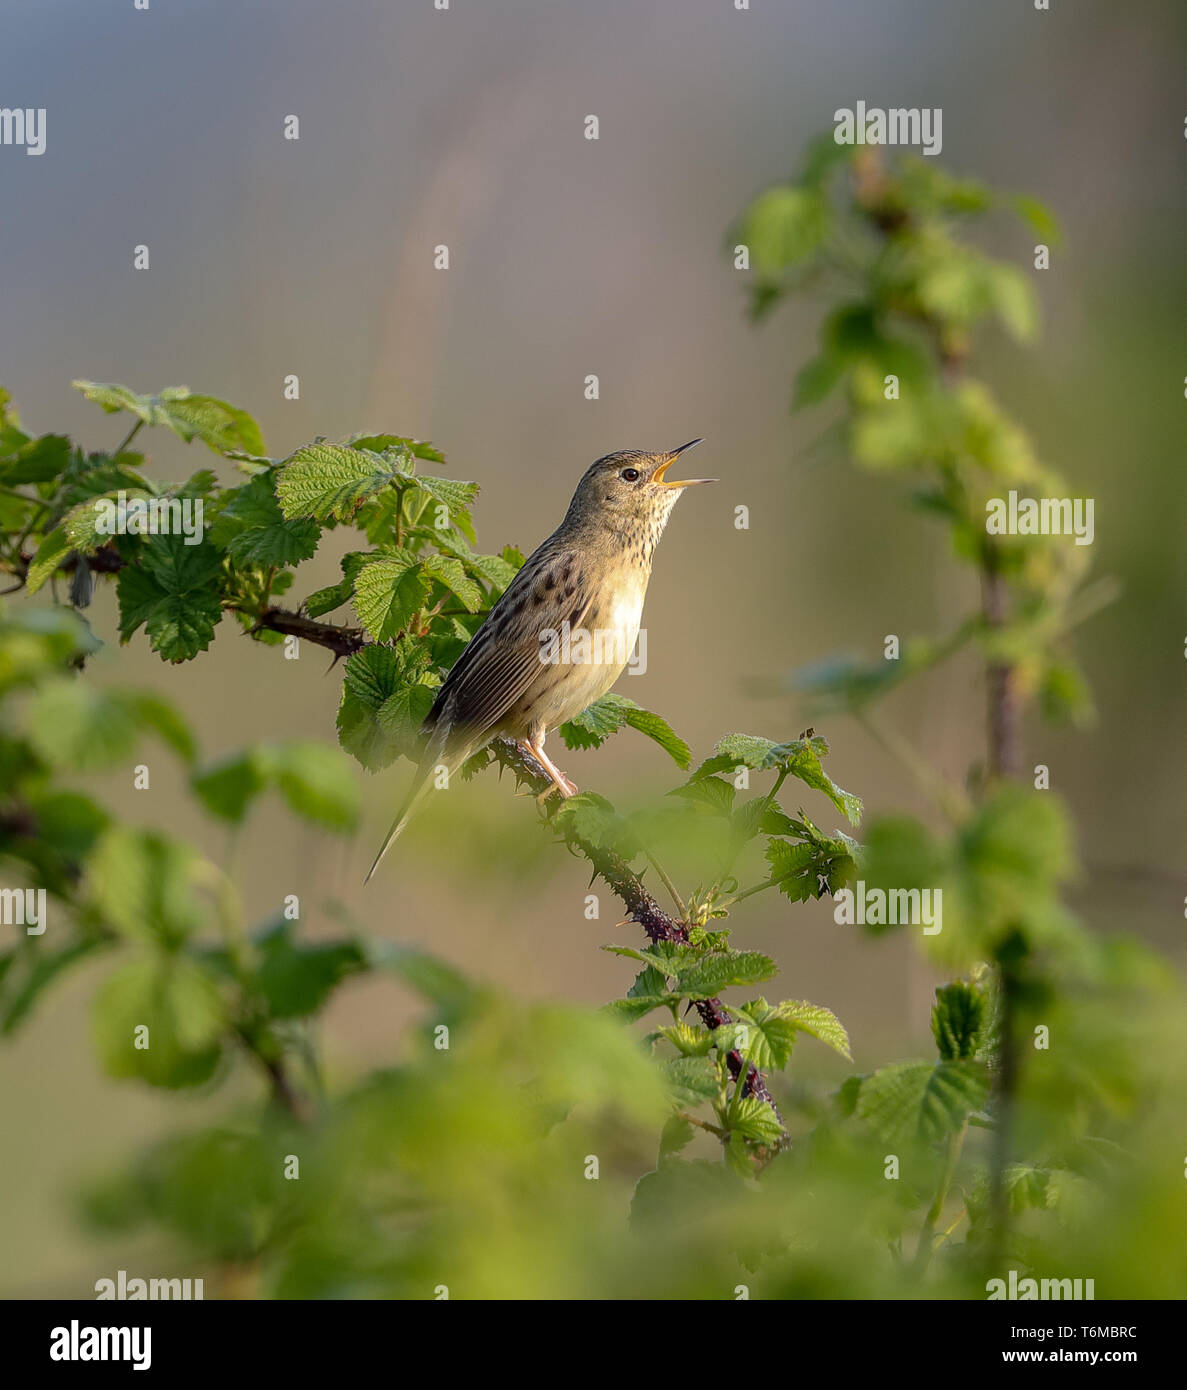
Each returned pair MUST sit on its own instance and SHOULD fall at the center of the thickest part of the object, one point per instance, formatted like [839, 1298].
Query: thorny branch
[644, 909]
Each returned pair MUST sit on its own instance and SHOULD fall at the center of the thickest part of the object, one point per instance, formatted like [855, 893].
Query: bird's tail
[421, 786]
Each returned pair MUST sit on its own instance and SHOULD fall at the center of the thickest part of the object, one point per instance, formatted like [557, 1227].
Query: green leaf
[756, 1119]
[377, 709]
[817, 1021]
[328, 482]
[592, 819]
[706, 978]
[714, 793]
[759, 1033]
[44, 969]
[295, 979]
[143, 885]
[451, 994]
[646, 722]
[687, 1040]
[179, 1006]
[675, 1136]
[317, 783]
[784, 227]
[406, 709]
[648, 992]
[1039, 216]
[381, 443]
[1013, 300]
[766, 1033]
[114, 398]
[314, 779]
[335, 595]
[54, 548]
[802, 760]
[38, 461]
[796, 868]
[254, 532]
[690, 1080]
[451, 493]
[387, 593]
[174, 593]
[957, 1020]
[223, 427]
[799, 758]
[74, 725]
[910, 1102]
[606, 716]
[815, 381]
[452, 574]
[228, 787]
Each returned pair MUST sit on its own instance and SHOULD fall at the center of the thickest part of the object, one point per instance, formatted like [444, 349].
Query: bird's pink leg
[560, 782]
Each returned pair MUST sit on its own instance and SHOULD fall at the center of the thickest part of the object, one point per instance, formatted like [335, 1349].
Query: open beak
[658, 475]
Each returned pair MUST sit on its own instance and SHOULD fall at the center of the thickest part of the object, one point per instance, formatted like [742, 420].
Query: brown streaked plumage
[592, 574]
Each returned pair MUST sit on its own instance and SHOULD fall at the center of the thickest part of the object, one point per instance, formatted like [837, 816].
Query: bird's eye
[630, 475]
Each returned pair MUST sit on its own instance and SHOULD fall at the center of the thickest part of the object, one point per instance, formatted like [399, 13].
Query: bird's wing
[503, 657]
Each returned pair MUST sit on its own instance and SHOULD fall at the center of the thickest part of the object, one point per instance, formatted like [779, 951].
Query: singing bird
[516, 679]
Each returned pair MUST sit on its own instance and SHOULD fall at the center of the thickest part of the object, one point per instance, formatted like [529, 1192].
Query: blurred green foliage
[538, 1150]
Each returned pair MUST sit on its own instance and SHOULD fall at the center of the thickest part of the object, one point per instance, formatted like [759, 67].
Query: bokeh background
[569, 258]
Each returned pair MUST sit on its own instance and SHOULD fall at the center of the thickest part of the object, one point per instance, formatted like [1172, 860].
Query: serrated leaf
[714, 793]
[755, 1119]
[674, 1137]
[330, 481]
[381, 443]
[687, 1040]
[54, 548]
[606, 716]
[373, 677]
[452, 574]
[387, 593]
[254, 532]
[706, 978]
[174, 593]
[921, 1102]
[957, 1020]
[690, 1080]
[817, 1021]
[591, 818]
[223, 427]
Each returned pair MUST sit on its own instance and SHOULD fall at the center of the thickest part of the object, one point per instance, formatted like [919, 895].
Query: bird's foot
[563, 784]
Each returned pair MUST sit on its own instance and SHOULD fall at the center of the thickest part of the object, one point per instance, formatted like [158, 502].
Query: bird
[523, 672]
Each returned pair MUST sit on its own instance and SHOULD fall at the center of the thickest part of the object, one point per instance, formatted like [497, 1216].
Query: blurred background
[571, 258]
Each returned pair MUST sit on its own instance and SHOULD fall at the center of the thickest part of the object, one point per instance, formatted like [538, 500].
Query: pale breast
[588, 662]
